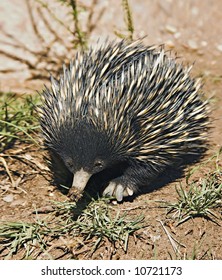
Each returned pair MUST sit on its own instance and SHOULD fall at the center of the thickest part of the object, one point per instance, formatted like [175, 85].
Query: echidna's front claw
[117, 190]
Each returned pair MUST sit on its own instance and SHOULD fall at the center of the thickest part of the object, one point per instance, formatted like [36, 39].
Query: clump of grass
[96, 222]
[17, 235]
[17, 119]
[200, 200]
[33, 239]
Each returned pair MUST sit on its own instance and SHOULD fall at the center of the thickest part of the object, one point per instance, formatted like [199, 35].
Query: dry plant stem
[49, 27]
[90, 23]
[17, 58]
[15, 184]
[7, 171]
[33, 23]
[16, 43]
[174, 243]
[54, 17]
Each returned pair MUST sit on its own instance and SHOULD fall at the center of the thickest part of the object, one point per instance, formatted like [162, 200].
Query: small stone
[192, 44]
[219, 47]
[171, 29]
[8, 198]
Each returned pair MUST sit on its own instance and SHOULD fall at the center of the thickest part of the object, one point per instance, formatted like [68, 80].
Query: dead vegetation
[55, 49]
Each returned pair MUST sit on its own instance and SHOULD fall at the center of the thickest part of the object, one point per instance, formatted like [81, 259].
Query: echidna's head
[84, 150]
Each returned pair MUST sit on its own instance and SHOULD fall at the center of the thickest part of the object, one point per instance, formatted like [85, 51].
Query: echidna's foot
[117, 190]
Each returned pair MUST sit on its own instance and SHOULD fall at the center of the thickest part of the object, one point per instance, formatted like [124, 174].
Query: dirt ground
[192, 29]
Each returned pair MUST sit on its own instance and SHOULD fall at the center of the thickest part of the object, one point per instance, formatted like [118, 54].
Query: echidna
[124, 107]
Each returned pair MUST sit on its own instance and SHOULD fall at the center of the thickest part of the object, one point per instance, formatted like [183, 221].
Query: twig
[17, 58]
[174, 243]
[15, 184]
[16, 43]
[45, 6]
[47, 24]
[33, 23]
[7, 171]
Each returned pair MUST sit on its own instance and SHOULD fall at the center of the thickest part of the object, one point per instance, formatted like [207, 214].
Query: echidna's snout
[80, 180]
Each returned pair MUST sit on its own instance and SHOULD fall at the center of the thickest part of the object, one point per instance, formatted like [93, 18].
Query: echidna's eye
[98, 164]
[69, 163]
